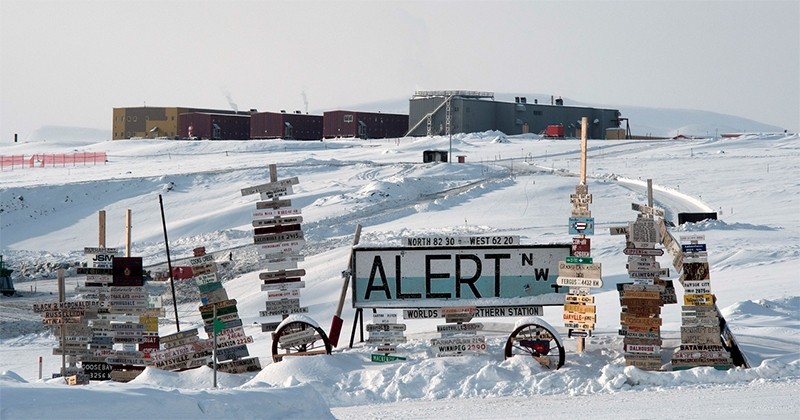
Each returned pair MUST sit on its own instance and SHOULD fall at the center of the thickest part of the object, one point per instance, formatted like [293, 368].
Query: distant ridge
[68, 134]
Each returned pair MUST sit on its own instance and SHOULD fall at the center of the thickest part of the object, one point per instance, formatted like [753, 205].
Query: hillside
[509, 185]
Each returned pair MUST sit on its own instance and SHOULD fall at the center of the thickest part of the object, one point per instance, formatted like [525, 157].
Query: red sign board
[581, 247]
[128, 271]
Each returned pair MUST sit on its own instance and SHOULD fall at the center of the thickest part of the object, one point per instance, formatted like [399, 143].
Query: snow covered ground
[510, 185]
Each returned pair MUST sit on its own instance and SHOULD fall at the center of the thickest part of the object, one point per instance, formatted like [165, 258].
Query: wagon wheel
[537, 341]
[299, 339]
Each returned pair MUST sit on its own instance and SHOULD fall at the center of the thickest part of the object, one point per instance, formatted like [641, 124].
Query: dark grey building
[455, 111]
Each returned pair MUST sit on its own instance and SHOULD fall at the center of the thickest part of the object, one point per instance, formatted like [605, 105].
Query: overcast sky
[70, 62]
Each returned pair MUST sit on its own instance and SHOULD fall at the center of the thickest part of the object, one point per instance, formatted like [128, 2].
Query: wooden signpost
[701, 337]
[279, 238]
[641, 300]
[579, 272]
[384, 334]
[701, 322]
[458, 337]
[103, 330]
[181, 351]
[222, 324]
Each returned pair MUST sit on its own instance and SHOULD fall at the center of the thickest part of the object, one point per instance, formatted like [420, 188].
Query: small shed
[429, 156]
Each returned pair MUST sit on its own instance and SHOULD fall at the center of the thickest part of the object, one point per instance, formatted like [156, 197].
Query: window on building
[348, 118]
[129, 119]
[147, 118]
[537, 112]
[134, 118]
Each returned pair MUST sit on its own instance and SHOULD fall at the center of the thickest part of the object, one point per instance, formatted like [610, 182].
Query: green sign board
[380, 358]
[579, 260]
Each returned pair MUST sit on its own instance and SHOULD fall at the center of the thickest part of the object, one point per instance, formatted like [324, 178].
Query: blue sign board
[694, 248]
[581, 225]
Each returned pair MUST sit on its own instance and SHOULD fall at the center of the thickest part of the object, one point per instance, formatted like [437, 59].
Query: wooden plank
[273, 204]
[271, 213]
[579, 308]
[580, 317]
[642, 341]
[641, 312]
[649, 303]
[580, 270]
[277, 192]
[579, 299]
[278, 228]
[579, 282]
[699, 300]
[279, 357]
[270, 186]
[281, 274]
[283, 286]
[284, 311]
[279, 237]
[398, 327]
[276, 221]
[632, 294]
[643, 322]
[642, 348]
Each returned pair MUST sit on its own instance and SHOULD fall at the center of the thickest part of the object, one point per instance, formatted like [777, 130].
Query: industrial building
[455, 111]
[154, 122]
[365, 125]
[282, 125]
[213, 126]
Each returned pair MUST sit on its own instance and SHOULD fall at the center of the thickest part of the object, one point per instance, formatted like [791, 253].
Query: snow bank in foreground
[350, 378]
[145, 399]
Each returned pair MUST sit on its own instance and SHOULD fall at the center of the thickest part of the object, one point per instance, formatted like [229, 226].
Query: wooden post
[273, 177]
[102, 229]
[584, 147]
[649, 193]
[273, 172]
[62, 327]
[580, 345]
[336, 323]
[128, 233]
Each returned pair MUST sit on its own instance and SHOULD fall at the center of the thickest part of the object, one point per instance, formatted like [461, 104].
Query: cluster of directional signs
[221, 317]
[641, 300]
[578, 271]
[113, 332]
[459, 336]
[114, 328]
[701, 342]
[384, 334]
[279, 238]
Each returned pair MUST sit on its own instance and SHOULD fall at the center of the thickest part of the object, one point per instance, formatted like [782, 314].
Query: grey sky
[70, 62]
